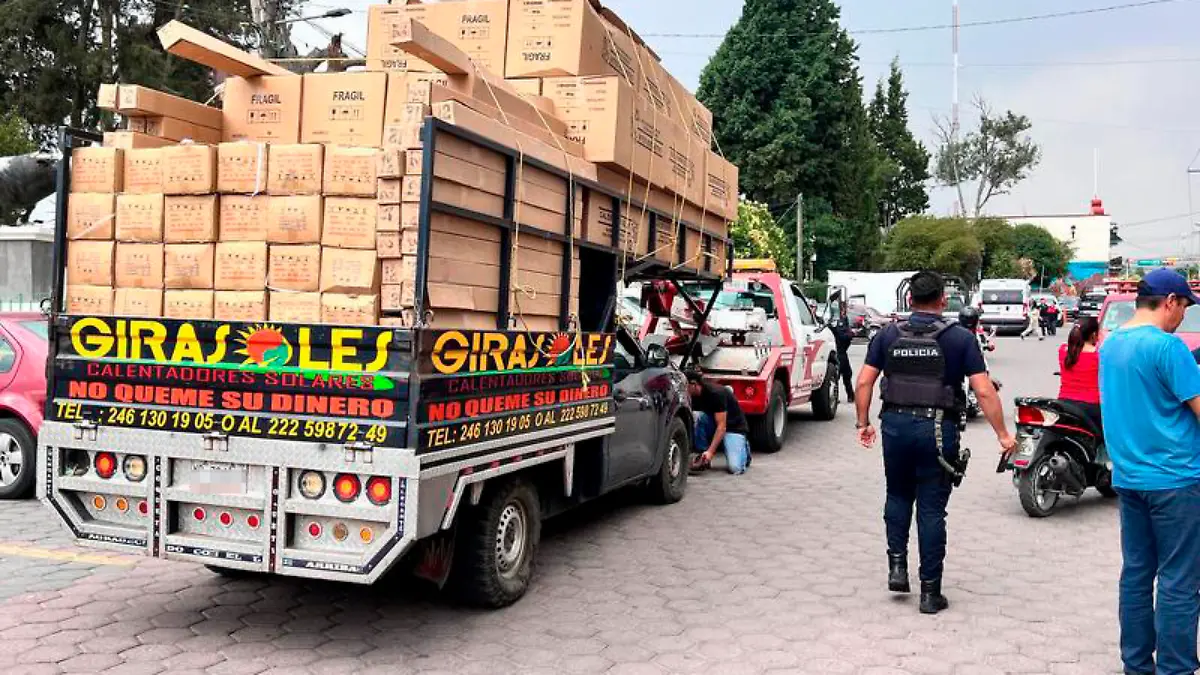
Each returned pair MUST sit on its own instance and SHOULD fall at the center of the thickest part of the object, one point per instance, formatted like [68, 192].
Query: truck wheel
[825, 400]
[497, 540]
[18, 453]
[767, 432]
[668, 486]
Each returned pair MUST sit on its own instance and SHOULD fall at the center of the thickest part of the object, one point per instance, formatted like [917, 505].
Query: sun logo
[559, 349]
[264, 347]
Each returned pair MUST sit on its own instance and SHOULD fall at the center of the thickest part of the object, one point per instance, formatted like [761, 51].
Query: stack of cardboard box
[309, 209]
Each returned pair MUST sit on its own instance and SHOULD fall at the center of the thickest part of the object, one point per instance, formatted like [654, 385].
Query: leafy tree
[16, 136]
[1004, 264]
[755, 234]
[996, 156]
[786, 98]
[1048, 256]
[996, 236]
[947, 245]
[907, 167]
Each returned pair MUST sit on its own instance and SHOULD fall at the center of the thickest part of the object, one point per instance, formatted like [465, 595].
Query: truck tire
[825, 400]
[497, 541]
[768, 432]
[670, 483]
[18, 454]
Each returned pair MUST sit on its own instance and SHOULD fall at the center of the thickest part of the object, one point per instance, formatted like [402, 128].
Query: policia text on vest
[924, 363]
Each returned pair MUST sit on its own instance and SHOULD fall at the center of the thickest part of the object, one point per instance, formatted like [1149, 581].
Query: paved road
[780, 571]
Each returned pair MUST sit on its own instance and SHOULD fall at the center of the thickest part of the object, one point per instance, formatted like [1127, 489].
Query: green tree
[16, 136]
[948, 245]
[907, 167]
[756, 234]
[1003, 264]
[786, 97]
[1047, 255]
[56, 53]
[997, 156]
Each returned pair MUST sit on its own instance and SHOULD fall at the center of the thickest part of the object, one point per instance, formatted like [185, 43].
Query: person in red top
[1079, 363]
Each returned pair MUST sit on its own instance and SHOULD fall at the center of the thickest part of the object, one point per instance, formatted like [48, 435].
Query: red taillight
[199, 514]
[253, 521]
[379, 490]
[346, 487]
[314, 530]
[1036, 417]
[106, 464]
[143, 508]
[226, 519]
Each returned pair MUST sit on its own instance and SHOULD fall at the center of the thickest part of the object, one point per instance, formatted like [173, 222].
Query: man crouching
[720, 424]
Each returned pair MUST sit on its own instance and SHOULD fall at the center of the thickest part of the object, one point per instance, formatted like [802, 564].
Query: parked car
[865, 322]
[1091, 302]
[1069, 305]
[23, 346]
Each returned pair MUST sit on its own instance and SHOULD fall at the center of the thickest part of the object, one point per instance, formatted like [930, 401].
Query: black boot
[932, 600]
[898, 573]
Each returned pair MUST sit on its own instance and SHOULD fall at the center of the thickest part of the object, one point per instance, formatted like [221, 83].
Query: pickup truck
[344, 452]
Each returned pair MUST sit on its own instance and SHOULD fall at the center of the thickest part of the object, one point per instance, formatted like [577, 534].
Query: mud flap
[434, 558]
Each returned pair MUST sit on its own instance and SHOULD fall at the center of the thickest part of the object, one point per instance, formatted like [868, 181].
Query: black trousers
[846, 370]
[914, 475]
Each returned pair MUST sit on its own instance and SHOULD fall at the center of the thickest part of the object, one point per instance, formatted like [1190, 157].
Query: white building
[1090, 235]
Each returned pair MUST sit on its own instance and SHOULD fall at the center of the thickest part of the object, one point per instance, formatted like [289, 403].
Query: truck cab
[759, 336]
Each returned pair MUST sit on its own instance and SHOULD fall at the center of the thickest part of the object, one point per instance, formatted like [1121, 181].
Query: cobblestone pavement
[780, 571]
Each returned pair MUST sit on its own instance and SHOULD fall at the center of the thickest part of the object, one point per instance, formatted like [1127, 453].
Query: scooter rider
[924, 362]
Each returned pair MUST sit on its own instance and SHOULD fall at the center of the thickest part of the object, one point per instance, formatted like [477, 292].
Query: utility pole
[800, 237]
[954, 103]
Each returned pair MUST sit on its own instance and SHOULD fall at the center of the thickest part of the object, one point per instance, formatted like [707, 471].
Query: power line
[1024, 64]
[941, 26]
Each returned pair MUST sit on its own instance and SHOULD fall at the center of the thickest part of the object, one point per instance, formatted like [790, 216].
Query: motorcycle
[1060, 453]
[986, 344]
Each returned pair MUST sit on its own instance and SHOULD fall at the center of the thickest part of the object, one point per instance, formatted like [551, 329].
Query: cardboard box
[143, 171]
[108, 97]
[527, 86]
[139, 266]
[557, 38]
[133, 140]
[398, 271]
[194, 305]
[350, 222]
[295, 169]
[91, 215]
[245, 217]
[90, 263]
[295, 267]
[721, 187]
[616, 126]
[404, 136]
[240, 266]
[388, 245]
[391, 298]
[140, 218]
[189, 220]
[295, 220]
[691, 113]
[242, 168]
[89, 300]
[189, 169]
[174, 129]
[295, 307]
[97, 169]
[137, 101]
[477, 27]
[397, 217]
[391, 163]
[349, 310]
[410, 89]
[240, 306]
[344, 108]
[352, 271]
[139, 302]
[180, 39]
[189, 266]
[264, 109]
[351, 172]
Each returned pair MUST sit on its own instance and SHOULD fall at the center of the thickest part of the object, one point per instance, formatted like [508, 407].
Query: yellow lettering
[493, 348]
[342, 353]
[519, 355]
[93, 346]
[187, 346]
[155, 336]
[306, 360]
[219, 339]
[382, 344]
[450, 352]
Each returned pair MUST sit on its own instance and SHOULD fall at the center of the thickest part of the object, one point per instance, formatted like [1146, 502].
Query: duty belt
[929, 413]
[957, 469]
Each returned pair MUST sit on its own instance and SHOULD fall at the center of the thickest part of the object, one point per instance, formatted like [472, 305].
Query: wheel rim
[778, 419]
[1045, 498]
[510, 539]
[12, 461]
[835, 393]
[675, 460]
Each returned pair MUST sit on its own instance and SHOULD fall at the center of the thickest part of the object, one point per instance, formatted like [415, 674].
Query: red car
[1119, 308]
[23, 348]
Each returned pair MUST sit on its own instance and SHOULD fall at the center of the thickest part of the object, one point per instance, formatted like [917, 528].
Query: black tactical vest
[915, 371]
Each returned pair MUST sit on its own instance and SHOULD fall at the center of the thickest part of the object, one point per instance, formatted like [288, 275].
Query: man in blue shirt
[924, 363]
[1150, 394]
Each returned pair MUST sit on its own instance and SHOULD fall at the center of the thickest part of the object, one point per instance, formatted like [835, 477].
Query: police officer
[843, 337]
[923, 362]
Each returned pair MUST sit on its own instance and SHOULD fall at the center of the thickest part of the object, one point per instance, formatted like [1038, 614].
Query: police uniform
[925, 362]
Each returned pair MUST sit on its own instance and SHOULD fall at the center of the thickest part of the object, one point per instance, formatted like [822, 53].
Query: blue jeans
[735, 446]
[914, 475]
[1160, 537]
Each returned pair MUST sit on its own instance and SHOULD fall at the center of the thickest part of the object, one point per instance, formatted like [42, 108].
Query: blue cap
[1163, 282]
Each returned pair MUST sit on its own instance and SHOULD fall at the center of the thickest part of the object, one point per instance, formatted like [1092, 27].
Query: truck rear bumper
[232, 502]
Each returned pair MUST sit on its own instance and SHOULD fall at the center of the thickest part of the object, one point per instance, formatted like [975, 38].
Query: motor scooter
[1060, 453]
[987, 344]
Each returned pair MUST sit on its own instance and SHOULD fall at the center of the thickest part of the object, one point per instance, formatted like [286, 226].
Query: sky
[1140, 115]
